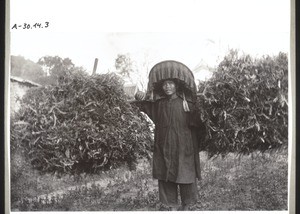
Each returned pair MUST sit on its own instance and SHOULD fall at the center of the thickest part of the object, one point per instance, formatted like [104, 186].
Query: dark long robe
[176, 149]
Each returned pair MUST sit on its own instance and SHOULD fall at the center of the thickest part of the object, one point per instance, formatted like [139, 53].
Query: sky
[190, 31]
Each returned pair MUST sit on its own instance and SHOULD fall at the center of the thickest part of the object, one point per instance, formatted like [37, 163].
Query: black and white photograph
[138, 105]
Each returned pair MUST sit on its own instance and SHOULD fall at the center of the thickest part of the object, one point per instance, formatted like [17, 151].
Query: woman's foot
[163, 207]
[173, 209]
[184, 208]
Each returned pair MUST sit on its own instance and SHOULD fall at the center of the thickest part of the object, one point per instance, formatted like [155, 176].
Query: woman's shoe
[184, 208]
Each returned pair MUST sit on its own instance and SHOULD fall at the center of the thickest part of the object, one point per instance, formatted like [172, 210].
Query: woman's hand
[139, 95]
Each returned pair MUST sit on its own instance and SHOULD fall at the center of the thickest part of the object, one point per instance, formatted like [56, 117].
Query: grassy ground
[252, 182]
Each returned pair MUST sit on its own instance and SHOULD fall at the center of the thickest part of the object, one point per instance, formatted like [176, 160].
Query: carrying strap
[185, 104]
[151, 95]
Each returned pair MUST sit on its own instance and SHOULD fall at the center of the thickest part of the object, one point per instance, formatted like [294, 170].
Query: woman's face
[169, 87]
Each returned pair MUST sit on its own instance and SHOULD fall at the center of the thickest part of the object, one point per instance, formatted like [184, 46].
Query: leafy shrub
[81, 124]
[244, 105]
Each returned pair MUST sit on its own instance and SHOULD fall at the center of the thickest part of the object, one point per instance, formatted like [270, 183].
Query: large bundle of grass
[244, 105]
[82, 124]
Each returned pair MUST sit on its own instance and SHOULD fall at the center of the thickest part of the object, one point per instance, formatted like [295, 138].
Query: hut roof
[130, 90]
[24, 82]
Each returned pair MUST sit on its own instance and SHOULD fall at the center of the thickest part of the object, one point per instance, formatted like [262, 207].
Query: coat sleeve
[197, 125]
[147, 107]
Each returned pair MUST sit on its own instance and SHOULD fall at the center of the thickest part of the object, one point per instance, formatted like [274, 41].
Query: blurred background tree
[48, 70]
[136, 71]
[55, 65]
[124, 65]
[26, 69]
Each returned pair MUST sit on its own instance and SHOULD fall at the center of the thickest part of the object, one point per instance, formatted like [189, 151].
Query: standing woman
[169, 102]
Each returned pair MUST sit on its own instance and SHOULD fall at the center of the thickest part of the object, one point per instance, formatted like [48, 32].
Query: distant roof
[130, 90]
[200, 67]
[24, 82]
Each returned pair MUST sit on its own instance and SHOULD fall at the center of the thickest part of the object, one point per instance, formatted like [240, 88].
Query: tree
[124, 65]
[57, 68]
[143, 69]
[25, 68]
[55, 65]
[136, 71]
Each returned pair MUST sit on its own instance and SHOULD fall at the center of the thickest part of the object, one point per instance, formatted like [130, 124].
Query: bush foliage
[245, 105]
[82, 124]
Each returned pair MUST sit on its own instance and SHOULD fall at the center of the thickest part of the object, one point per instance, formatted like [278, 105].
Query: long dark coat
[176, 146]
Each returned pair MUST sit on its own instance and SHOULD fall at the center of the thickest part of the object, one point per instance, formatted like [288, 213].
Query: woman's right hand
[139, 95]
